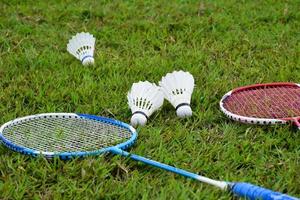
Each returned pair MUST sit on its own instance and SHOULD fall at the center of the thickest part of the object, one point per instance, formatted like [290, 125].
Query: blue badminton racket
[68, 135]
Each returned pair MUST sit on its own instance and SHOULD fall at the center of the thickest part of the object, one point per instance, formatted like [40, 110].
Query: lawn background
[224, 44]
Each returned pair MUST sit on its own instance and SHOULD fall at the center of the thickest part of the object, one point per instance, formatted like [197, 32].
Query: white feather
[82, 46]
[144, 97]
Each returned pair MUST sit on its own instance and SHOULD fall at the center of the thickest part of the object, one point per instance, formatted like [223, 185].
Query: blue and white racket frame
[240, 189]
[67, 155]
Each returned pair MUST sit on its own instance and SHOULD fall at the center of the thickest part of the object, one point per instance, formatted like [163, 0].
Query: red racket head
[263, 103]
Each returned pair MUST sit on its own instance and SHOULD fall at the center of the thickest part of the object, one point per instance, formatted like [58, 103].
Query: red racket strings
[273, 101]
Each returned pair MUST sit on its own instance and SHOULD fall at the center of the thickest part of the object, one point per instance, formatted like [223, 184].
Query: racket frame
[254, 120]
[66, 155]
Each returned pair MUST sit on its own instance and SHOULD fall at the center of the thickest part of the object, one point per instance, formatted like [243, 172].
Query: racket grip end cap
[253, 192]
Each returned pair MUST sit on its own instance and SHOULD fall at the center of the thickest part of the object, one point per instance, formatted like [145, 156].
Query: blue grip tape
[253, 192]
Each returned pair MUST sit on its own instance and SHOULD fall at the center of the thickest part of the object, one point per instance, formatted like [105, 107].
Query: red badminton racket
[270, 103]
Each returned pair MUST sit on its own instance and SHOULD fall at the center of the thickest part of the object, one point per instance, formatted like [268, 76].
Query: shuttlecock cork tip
[88, 61]
[184, 111]
[138, 119]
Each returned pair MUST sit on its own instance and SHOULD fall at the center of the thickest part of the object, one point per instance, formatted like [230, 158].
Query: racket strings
[65, 134]
[265, 102]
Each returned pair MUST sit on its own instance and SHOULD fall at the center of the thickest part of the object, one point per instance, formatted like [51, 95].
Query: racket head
[66, 135]
[269, 103]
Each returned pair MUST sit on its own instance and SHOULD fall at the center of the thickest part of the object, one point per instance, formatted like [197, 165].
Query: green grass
[224, 44]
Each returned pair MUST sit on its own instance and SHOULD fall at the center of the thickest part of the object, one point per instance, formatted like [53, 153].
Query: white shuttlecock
[178, 87]
[82, 46]
[143, 99]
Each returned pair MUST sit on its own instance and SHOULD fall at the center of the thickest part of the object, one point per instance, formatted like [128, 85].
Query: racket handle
[253, 192]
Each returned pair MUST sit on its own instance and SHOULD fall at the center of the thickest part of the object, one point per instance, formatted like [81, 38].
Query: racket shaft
[253, 192]
[220, 184]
